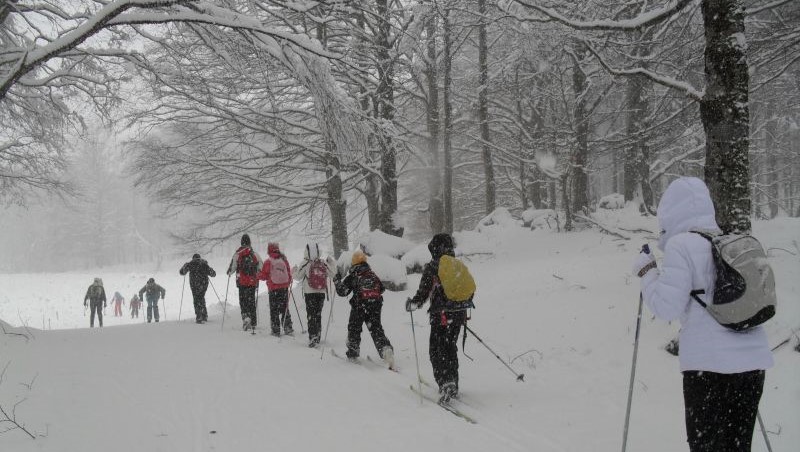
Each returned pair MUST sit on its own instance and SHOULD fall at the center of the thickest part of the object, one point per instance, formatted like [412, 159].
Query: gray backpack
[744, 294]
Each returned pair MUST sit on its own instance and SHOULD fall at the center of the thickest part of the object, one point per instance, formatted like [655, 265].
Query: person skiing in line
[135, 303]
[447, 317]
[151, 293]
[96, 296]
[199, 272]
[365, 307]
[119, 301]
[723, 370]
[313, 274]
[278, 275]
[246, 264]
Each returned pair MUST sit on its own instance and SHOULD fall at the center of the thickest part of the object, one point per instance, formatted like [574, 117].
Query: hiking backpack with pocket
[456, 280]
[369, 285]
[744, 293]
[248, 264]
[317, 275]
[278, 270]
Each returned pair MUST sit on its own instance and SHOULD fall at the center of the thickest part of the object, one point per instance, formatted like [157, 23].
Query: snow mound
[379, 242]
[501, 218]
[612, 202]
[539, 218]
[471, 242]
[415, 259]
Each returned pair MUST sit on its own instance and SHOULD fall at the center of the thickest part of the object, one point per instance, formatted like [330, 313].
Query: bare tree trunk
[385, 96]
[579, 177]
[565, 201]
[448, 125]
[772, 169]
[435, 205]
[337, 204]
[725, 113]
[483, 110]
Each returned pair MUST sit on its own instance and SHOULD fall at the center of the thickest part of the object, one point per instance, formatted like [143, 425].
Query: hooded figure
[278, 275]
[723, 370]
[314, 274]
[119, 301]
[96, 297]
[199, 272]
[446, 317]
[366, 305]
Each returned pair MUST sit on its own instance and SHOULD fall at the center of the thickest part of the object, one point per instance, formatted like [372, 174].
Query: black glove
[104, 304]
[85, 304]
[411, 306]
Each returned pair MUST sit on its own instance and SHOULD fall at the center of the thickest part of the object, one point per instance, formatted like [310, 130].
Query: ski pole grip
[646, 248]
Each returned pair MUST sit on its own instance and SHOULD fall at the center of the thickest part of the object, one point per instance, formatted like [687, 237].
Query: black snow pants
[368, 312]
[152, 310]
[200, 312]
[443, 347]
[96, 306]
[279, 311]
[314, 303]
[721, 409]
[247, 303]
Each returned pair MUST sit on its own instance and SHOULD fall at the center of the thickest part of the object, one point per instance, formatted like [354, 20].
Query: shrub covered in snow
[416, 258]
[612, 202]
[500, 218]
[379, 242]
[539, 218]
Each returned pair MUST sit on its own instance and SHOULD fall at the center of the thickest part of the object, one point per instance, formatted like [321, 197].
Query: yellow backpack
[455, 279]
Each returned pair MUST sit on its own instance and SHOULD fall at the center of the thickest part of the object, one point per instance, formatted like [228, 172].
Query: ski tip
[521, 377]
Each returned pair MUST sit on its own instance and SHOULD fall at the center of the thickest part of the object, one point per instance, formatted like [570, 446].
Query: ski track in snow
[563, 305]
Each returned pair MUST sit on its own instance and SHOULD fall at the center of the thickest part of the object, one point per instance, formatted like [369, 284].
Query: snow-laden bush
[379, 242]
[471, 242]
[613, 201]
[539, 218]
[501, 218]
[415, 259]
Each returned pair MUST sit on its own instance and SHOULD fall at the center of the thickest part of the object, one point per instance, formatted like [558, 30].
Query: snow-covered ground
[560, 307]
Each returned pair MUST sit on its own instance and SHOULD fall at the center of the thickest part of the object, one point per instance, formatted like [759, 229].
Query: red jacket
[268, 273]
[241, 278]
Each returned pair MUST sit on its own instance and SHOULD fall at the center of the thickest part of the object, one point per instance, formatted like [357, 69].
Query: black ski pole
[763, 431]
[328, 324]
[416, 356]
[645, 249]
[180, 309]
[520, 377]
[291, 294]
[225, 306]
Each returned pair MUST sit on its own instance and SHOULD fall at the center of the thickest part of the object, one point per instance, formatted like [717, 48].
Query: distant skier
[246, 264]
[314, 273]
[447, 317]
[151, 293]
[119, 301]
[96, 296]
[135, 303]
[278, 275]
[723, 370]
[365, 307]
[199, 272]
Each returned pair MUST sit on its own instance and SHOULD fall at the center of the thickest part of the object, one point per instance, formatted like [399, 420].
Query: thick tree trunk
[725, 114]
[483, 111]
[580, 180]
[385, 96]
[772, 170]
[637, 156]
[566, 203]
[448, 126]
[435, 204]
[337, 205]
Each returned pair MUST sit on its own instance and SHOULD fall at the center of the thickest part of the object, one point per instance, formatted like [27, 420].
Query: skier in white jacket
[723, 370]
[314, 273]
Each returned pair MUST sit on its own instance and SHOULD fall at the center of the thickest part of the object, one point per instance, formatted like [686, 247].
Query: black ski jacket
[199, 272]
[354, 282]
[429, 286]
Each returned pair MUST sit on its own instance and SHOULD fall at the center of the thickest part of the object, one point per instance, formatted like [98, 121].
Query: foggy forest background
[137, 131]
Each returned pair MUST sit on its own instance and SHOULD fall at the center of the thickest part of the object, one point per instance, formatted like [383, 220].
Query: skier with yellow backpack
[446, 281]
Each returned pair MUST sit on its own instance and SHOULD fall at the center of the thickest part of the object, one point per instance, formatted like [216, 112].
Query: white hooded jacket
[300, 273]
[705, 345]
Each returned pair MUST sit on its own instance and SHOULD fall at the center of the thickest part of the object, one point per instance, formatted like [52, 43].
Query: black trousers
[200, 312]
[721, 409]
[152, 310]
[443, 346]
[314, 303]
[370, 313]
[247, 303]
[96, 306]
[279, 311]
